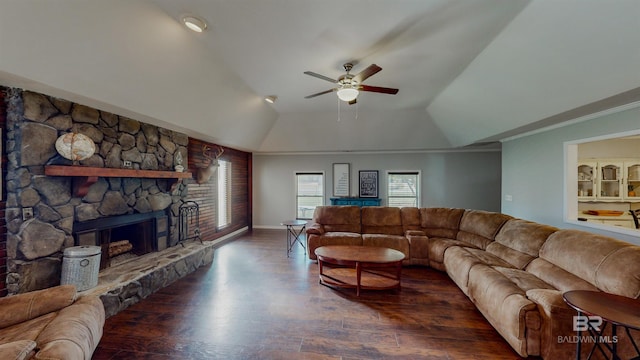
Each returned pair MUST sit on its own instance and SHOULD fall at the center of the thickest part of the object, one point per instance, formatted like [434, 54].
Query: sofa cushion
[487, 258]
[524, 280]
[410, 219]
[519, 241]
[418, 248]
[27, 330]
[479, 227]
[457, 263]
[611, 279]
[74, 333]
[506, 307]
[440, 222]
[22, 307]
[338, 218]
[381, 220]
[397, 242]
[596, 259]
[514, 257]
[557, 277]
[438, 246]
[17, 350]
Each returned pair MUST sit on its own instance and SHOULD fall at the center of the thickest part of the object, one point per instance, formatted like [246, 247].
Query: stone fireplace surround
[35, 246]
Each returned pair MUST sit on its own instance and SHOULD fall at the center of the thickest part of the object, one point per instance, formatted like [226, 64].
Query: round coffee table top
[354, 253]
[616, 309]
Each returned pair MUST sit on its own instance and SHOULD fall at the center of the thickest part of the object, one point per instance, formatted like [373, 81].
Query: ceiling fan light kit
[194, 23]
[348, 94]
[349, 86]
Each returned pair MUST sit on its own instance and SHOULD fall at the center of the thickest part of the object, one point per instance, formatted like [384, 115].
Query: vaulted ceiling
[469, 72]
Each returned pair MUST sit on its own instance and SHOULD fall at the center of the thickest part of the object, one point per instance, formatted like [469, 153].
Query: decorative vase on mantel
[178, 161]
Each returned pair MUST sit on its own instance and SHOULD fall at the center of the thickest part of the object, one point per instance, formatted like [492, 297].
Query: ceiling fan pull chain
[338, 110]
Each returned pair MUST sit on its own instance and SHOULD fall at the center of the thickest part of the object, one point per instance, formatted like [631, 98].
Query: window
[224, 193]
[309, 193]
[403, 188]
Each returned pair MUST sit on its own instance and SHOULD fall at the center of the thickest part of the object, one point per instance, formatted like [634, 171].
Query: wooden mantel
[85, 176]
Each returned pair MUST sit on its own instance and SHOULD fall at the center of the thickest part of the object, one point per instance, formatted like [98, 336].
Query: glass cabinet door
[586, 180]
[610, 180]
[632, 180]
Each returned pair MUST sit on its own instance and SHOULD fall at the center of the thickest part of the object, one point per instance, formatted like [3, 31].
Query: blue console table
[356, 201]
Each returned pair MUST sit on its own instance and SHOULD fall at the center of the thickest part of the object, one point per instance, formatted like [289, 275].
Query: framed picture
[341, 180]
[368, 183]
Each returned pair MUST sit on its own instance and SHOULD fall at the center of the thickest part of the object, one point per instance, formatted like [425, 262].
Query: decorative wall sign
[369, 183]
[341, 180]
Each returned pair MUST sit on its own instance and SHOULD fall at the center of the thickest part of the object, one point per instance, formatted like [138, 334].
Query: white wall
[533, 169]
[449, 179]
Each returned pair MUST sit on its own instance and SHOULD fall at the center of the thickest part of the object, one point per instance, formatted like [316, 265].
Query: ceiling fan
[349, 86]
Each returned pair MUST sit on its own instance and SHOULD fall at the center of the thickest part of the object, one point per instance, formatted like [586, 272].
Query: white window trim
[295, 188]
[419, 189]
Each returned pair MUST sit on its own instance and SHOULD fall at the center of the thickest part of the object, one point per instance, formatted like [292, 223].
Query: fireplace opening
[125, 237]
[122, 243]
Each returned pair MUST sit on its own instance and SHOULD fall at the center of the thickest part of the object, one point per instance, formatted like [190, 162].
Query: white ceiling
[468, 71]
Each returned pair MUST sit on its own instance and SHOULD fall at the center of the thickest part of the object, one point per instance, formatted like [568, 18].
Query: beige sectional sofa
[50, 324]
[515, 271]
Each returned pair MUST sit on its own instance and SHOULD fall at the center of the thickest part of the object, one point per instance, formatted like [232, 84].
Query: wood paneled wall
[206, 194]
[3, 202]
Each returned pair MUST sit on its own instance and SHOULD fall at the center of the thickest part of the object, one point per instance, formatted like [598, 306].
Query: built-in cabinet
[609, 180]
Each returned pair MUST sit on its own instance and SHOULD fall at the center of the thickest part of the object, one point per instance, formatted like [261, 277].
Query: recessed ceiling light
[271, 99]
[194, 23]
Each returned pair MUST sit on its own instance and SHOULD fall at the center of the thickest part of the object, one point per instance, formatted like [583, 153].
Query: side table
[295, 228]
[615, 309]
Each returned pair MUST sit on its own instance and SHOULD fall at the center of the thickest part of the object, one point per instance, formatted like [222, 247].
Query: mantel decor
[368, 183]
[341, 180]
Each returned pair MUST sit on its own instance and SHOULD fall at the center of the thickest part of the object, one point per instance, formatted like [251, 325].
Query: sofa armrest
[75, 332]
[18, 350]
[557, 323]
[316, 229]
[26, 306]
[408, 233]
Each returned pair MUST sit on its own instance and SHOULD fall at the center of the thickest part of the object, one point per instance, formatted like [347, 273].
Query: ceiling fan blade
[311, 73]
[366, 73]
[378, 89]
[320, 93]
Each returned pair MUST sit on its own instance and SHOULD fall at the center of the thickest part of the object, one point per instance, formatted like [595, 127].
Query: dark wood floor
[255, 303]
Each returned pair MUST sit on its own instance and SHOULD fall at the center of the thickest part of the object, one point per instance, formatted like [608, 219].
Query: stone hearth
[128, 283]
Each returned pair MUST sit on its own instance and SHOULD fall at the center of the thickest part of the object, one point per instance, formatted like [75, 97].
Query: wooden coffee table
[359, 267]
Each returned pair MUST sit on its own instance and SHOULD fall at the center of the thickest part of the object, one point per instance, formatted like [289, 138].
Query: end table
[295, 228]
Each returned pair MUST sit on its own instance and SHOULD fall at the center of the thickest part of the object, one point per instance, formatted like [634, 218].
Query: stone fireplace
[46, 214]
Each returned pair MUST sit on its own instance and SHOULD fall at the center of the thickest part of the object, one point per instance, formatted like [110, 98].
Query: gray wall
[449, 179]
[533, 169]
